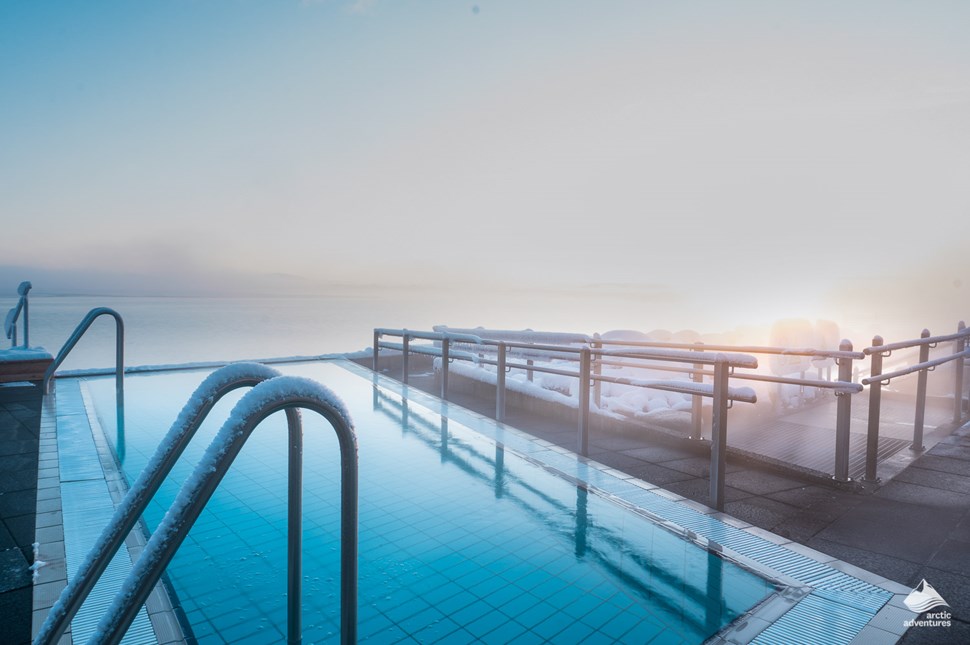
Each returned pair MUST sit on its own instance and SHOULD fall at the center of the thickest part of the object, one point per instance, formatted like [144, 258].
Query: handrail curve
[82, 327]
[280, 393]
[10, 324]
[195, 411]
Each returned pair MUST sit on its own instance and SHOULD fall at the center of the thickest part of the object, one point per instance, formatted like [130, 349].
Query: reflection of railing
[119, 363]
[10, 324]
[590, 539]
[280, 393]
[215, 386]
[879, 350]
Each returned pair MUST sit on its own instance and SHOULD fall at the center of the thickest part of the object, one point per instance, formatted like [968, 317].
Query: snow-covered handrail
[519, 336]
[119, 360]
[10, 324]
[280, 393]
[196, 409]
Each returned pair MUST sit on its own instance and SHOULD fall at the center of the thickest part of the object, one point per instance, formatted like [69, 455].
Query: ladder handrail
[10, 324]
[281, 393]
[119, 362]
[195, 411]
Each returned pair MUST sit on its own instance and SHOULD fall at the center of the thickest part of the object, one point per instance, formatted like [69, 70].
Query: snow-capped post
[444, 368]
[529, 374]
[875, 398]
[843, 415]
[697, 403]
[377, 340]
[500, 384]
[406, 343]
[924, 356]
[719, 431]
[597, 369]
[584, 360]
[958, 347]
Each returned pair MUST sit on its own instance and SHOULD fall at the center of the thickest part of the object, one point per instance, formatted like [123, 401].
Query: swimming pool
[462, 538]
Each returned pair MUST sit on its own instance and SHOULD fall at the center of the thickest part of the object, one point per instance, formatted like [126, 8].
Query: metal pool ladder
[271, 393]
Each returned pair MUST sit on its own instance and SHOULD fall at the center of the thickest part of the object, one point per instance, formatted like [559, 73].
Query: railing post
[444, 369]
[584, 359]
[843, 416]
[406, 342]
[294, 530]
[719, 434]
[500, 384]
[958, 347]
[597, 371]
[697, 402]
[377, 339]
[875, 398]
[26, 322]
[924, 355]
[529, 373]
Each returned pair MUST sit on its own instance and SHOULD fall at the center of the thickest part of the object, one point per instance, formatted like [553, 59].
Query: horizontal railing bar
[683, 387]
[745, 349]
[840, 386]
[429, 350]
[702, 358]
[915, 368]
[906, 344]
[429, 335]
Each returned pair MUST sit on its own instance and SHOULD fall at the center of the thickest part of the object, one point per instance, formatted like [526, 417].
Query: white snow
[15, 354]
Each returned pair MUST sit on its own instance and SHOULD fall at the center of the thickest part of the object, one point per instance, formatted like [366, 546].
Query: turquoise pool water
[461, 539]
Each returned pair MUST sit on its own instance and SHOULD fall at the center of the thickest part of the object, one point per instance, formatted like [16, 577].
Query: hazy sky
[781, 155]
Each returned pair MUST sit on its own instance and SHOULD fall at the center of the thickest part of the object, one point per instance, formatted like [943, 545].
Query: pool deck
[913, 527]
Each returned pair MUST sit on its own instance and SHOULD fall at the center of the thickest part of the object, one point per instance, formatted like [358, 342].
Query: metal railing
[119, 361]
[287, 393]
[10, 323]
[878, 351]
[212, 389]
[720, 390]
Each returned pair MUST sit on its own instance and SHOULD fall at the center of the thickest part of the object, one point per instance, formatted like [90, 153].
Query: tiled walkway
[19, 436]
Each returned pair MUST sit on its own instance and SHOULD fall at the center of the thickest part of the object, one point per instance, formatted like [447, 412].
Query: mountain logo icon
[924, 597]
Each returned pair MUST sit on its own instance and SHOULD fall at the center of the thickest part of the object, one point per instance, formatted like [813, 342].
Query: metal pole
[294, 530]
[924, 355]
[377, 339]
[719, 434]
[500, 384]
[444, 369]
[119, 386]
[528, 373]
[958, 346]
[26, 324]
[843, 416]
[404, 363]
[875, 398]
[697, 403]
[584, 401]
[597, 371]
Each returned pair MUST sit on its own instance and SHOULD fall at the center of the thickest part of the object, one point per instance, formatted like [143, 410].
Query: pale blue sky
[773, 149]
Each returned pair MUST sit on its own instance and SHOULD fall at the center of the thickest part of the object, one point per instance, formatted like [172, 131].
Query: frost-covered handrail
[10, 324]
[429, 335]
[196, 409]
[281, 393]
[119, 358]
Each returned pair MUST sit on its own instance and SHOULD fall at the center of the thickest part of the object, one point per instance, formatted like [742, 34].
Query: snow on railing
[196, 409]
[281, 393]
